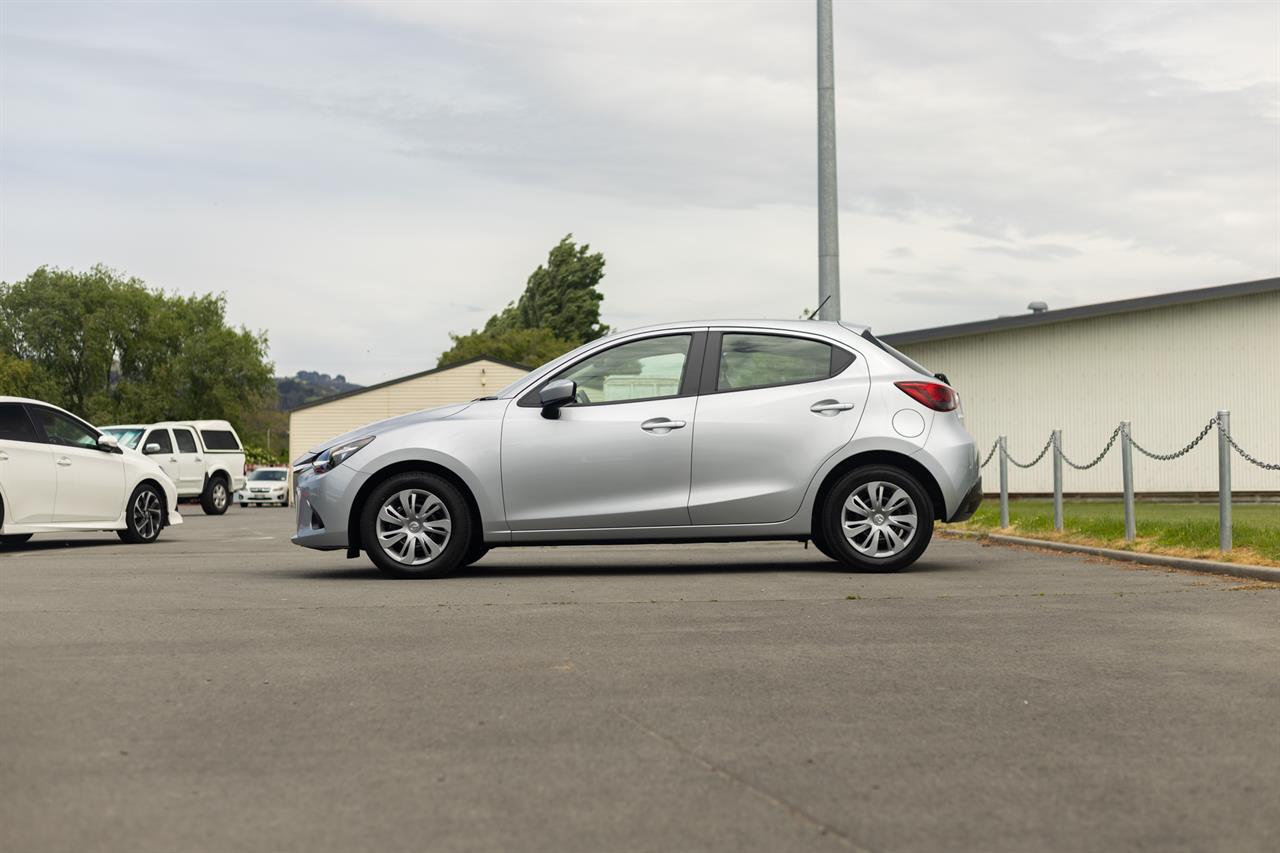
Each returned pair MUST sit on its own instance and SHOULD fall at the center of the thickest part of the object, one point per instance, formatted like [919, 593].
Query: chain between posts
[1164, 457]
[1039, 455]
[994, 445]
[1115, 433]
[1256, 461]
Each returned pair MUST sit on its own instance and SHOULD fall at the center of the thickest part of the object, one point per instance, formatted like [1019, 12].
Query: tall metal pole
[1126, 475]
[1057, 480]
[1004, 482]
[1224, 482]
[828, 225]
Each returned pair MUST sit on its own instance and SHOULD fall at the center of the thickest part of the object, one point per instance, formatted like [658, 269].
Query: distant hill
[307, 385]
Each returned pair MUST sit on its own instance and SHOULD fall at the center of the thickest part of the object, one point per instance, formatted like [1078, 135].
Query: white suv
[57, 473]
[204, 458]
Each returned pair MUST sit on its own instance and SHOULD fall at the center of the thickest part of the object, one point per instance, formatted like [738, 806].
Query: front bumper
[323, 503]
[261, 498]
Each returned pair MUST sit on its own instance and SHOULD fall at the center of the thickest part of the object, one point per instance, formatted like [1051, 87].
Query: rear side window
[160, 437]
[219, 439]
[186, 441]
[14, 423]
[757, 361]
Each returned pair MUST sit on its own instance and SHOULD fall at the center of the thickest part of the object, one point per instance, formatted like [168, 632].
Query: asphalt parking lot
[224, 690]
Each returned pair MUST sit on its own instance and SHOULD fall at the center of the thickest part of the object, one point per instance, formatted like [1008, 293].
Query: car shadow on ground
[497, 567]
[57, 544]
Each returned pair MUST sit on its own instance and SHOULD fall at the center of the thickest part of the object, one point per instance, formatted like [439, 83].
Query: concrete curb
[1239, 570]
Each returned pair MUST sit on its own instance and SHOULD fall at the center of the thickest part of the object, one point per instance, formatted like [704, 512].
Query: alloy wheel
[147, 514]
[413, 527]
[219, 495]
[879, 519]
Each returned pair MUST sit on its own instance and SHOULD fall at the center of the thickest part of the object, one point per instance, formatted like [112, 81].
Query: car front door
[158, 444]
[190, 462]
[90, 480]
[773, 408]
[619, 456]
[27, 471]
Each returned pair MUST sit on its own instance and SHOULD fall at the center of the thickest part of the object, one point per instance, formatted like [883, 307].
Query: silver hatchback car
[689, 432]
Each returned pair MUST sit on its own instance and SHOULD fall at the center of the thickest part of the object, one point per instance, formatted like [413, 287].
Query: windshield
[269, 475]
[126, 436]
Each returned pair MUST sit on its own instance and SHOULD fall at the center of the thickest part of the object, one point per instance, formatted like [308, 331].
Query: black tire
[215, 498]
[453, 548]
[143, 515]
[476, 552]
[819, 540]
[244, 506]
[880, 527]
[14, 539]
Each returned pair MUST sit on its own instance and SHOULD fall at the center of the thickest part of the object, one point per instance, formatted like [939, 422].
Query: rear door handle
[830, 407]
[4, 457]
[64, 462]
[661, 426]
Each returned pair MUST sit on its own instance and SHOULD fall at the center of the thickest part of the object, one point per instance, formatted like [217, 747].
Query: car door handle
[64, 462]
[661, 426]
[173, 459]
[4, 457]
[830, 407]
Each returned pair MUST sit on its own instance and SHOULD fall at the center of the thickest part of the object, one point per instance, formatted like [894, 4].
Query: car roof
[829, 327]
[44, 403]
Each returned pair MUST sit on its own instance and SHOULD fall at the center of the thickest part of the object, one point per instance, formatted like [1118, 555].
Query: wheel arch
[880, 457]
[408, 466]
[164, 498]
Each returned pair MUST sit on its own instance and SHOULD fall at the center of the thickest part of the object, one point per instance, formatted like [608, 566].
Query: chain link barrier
[1256, 461]
[994, 445]
[1165, 457]
[1115, 433]
[1039, 455]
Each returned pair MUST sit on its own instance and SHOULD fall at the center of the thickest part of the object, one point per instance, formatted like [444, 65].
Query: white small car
[59, 474]
[265, 487]
[204, 458]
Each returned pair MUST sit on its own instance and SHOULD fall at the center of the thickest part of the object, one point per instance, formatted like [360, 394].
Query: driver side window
[60, 429]
[647, 369]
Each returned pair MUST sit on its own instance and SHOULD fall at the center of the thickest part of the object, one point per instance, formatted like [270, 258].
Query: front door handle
[661, 426]
[64, 462]
[830, 408]
[4, 457]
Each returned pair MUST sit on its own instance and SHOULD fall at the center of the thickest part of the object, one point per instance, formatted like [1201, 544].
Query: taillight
[938, 397]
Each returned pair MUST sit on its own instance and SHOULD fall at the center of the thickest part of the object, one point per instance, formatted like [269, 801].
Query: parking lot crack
[795, 811]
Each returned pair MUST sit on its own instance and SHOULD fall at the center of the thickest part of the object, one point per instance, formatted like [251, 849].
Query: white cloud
[363, 179]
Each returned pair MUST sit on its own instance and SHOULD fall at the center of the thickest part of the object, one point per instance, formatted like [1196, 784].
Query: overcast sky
[361, 179]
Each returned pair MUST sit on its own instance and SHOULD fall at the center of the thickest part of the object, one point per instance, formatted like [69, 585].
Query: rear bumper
[969, 504]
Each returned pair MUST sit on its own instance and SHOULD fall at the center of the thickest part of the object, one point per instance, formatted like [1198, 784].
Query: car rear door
[773, 408]
[619, 457]
[190, 461]
[27, 473]
[90, 480]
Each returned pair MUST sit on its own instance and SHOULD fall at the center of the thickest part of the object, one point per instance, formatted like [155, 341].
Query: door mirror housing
[150, 448]
[108, 443]
[555, 394]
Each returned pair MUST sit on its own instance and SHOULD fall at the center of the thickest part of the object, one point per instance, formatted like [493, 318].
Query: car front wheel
[144, 516]
[877, 519]
[215, 498]
[416, 525]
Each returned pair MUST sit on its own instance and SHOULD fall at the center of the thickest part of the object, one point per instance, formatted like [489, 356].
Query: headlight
[336, 455]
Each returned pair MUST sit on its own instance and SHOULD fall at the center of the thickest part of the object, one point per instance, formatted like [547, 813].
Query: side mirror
[556, 394]
[151, 447]
[108, 443]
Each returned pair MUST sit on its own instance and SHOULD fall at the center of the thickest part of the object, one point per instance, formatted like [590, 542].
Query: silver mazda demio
[691, 432]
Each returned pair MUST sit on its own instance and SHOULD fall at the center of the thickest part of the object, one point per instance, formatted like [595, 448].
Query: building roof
[400, 379]
[1082, 312]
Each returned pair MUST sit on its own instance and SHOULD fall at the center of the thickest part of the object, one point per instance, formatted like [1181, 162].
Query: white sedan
[265, 487]
[59, 474]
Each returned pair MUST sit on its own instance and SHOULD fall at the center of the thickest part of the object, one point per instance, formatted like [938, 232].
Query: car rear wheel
[215, 499]
[143, 516]
[877, 519]
[416, 525]
[14, 538]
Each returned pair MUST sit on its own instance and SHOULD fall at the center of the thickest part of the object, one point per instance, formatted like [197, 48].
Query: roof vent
[1037, 307]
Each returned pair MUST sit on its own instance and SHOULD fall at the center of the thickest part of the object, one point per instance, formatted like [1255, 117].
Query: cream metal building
[1165, 363]
[311, 424]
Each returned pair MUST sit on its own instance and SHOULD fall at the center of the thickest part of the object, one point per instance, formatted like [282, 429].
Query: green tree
[559, 310]
[112, 350]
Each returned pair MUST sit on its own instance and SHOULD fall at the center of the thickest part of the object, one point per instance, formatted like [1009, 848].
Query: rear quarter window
[219, 439]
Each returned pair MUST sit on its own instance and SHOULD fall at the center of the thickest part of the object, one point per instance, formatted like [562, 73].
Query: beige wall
[1167, 370]
[311, 427]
